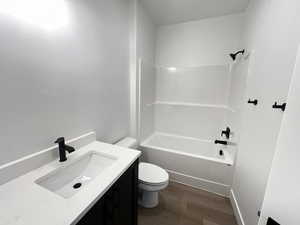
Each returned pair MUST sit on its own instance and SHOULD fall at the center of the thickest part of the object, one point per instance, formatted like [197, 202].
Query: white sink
[69, 179]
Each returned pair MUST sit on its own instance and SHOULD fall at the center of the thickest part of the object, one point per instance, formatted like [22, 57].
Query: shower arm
[234, 55]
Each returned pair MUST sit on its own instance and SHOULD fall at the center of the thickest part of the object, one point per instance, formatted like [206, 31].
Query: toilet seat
[152, 175]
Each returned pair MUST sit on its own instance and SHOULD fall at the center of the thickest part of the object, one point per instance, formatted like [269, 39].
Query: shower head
[234, 55]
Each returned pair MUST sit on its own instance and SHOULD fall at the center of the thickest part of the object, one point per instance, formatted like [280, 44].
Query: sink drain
[76, 186]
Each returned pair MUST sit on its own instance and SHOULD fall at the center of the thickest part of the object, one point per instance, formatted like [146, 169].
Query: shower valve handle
[226, 133]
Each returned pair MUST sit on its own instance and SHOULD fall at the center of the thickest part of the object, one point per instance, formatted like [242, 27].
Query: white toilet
[152, 178]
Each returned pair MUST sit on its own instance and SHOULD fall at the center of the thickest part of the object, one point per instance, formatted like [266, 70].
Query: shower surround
[187, 99]
[182, 112]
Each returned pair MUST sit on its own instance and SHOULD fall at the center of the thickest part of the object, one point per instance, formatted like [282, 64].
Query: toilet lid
[152, 174]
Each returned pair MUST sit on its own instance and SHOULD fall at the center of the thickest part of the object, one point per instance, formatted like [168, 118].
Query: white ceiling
[166, 12]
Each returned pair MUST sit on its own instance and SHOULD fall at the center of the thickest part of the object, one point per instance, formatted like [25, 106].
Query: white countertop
[23, 202]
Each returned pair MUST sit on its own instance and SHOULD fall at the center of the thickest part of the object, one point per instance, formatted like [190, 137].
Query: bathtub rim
[229, 161]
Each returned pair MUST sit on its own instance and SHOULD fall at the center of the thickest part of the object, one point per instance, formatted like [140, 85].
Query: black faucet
[221, 142]
[226, 132]
[63, 148]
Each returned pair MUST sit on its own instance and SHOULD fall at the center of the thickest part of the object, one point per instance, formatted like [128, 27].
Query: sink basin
[70, 179]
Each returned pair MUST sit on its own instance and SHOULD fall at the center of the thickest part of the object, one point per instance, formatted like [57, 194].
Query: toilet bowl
[152, 178]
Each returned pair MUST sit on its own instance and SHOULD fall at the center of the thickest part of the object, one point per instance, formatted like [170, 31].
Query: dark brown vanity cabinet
[119, 205]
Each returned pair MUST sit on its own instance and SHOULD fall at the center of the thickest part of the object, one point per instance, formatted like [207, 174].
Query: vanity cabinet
[119, 205]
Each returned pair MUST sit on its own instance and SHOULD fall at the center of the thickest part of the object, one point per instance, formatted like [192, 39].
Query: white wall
[237, 99]
[146, 42]
[272, 37]
[147, 97]
[192, 101]
[203, 42]
[199, 51]
[133, 70]
[281, 201]
[189, 121]
[203, 85]
[64, 82]
[146, 34]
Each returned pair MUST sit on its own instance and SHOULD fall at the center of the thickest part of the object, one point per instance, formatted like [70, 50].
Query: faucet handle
[60, 140]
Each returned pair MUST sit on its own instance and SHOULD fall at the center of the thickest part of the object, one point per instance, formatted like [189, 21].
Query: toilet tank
[128, 142]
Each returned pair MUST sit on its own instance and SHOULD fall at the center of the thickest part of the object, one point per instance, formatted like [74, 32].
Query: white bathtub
[192, 161]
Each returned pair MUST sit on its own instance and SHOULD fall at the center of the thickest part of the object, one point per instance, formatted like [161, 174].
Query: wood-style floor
[183, 205]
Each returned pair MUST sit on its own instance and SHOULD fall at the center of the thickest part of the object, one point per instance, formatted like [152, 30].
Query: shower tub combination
[192, 161]
[182, 111]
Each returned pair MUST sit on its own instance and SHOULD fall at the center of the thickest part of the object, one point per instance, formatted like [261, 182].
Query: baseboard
[210, 186]
[236, 209]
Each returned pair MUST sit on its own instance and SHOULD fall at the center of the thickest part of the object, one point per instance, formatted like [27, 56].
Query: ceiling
[165, 12]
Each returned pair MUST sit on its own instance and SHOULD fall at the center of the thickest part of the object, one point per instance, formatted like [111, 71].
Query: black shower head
[234, 55]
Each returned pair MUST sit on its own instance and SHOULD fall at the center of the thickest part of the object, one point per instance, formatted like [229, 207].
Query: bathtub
[192, 161]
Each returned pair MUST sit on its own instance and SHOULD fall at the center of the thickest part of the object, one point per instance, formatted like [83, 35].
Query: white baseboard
[210, 186]
[236, 209]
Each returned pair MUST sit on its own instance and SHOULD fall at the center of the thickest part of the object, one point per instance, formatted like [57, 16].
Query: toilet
[152, 178]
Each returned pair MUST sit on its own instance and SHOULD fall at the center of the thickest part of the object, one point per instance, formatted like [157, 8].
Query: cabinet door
[125, 194]
[95, 216]
[119, 205]
[125, 197]
[111, 203]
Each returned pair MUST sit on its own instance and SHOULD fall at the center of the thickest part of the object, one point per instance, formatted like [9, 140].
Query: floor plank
[184, 205]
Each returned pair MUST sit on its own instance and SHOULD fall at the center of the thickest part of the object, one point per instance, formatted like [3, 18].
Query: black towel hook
[282, 107]
[254, 102]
